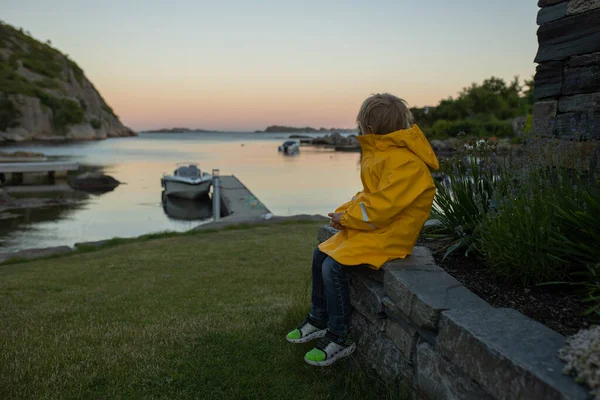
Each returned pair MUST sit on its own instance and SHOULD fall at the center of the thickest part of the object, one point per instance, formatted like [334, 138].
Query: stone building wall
[567, 80]
[415, 323]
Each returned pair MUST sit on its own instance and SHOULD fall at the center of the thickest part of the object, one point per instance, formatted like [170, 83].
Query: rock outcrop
[46, 96]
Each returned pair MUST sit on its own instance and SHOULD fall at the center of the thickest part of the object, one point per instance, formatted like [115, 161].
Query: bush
[9, 113]
[475, 127]
[577, 238]
[545, 225]
[516, 241]
[65, 112]
[464, 196]
[96, 124]
[78, 72]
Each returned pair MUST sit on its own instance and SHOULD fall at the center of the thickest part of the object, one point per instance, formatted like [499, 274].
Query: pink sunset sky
[242, 66]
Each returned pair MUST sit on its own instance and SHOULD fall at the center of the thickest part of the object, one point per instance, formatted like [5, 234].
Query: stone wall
[415, 323]
[567, 81]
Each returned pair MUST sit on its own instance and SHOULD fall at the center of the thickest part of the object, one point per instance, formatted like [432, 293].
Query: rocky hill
[46, 96]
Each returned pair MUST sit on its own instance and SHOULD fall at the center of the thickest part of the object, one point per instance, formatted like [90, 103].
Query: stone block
[579, 115]
[580, 103]
[546, 3]
[549, 79]
[576, 35]
[423, 294]
[396, 315]
[366, 293]
[439, 379]
[585, 60]
[325, 232]
[544, 114]
[378, 352]
[582, 6]
[363, 270]
[509, 355]
[403, 337]
[581, 80]
[552, 13]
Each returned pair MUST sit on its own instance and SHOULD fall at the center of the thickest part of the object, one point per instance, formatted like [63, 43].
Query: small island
[179, 130]
[306, 129]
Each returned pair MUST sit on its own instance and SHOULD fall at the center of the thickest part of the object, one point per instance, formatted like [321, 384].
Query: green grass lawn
[200, 316]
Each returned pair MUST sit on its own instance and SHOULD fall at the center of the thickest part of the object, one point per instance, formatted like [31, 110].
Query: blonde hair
[384, 113]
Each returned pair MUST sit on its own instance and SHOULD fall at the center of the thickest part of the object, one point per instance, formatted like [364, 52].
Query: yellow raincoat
[383, 222]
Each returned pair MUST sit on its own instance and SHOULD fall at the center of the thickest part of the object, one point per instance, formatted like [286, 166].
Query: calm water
[313, 182]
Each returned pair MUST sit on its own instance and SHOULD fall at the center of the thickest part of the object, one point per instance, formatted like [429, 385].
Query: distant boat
[187, 182]
[290, 147]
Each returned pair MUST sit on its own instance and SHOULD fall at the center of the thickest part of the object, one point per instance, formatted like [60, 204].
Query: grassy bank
[192, 316]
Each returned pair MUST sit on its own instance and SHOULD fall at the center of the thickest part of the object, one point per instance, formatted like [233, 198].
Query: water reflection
[187, 210]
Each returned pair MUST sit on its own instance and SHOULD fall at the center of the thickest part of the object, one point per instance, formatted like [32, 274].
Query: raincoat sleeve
[347, 204]
[398, 188]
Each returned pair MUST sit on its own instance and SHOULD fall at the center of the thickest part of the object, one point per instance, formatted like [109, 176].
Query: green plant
[545, 216]
[514, 241]
[464, 196]
[96, 124]
[576, 242]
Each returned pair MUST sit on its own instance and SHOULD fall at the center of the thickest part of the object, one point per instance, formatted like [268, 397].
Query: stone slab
[379, 353]
[31, 254]
[439, 379]
[571, 36]
[580, 103]
[552, 13]
[582, 6]
[403, 337]
[544, 114]
[585, 60]
[397, 316]
[367, 293]
[580, 115]
[509, 355]
[421, 258]
[581, 80]
[549, 80]
[423, 294]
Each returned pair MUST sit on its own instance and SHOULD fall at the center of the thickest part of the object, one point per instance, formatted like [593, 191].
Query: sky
[242, 65]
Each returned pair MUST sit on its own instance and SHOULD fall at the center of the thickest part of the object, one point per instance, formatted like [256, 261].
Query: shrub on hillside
[9, 113]
[96, 124]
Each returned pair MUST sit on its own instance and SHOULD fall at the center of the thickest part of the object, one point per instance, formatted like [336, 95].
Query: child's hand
[336, 222]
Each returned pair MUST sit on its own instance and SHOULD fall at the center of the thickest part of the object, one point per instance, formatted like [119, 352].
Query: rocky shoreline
[443, 148]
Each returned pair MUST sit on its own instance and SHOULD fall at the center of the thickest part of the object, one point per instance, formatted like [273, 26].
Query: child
[380, 223]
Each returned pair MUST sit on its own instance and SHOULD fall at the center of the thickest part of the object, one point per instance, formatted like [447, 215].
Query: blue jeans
[330, 293]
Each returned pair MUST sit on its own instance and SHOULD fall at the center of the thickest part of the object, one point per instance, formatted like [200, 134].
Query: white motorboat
[290, 147]
[187, 182]
[187, 210]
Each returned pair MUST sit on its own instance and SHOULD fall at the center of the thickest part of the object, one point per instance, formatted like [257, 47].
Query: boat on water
[290, 147]
[187, 182]
[187, 210]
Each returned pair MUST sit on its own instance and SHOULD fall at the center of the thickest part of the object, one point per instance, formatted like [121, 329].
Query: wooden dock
[38, 167]
[17, 169]
[238, 202]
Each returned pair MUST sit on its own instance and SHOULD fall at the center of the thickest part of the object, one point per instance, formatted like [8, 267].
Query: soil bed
[557, 307]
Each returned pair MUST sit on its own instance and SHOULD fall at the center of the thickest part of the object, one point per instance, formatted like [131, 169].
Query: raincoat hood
[413, 139]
